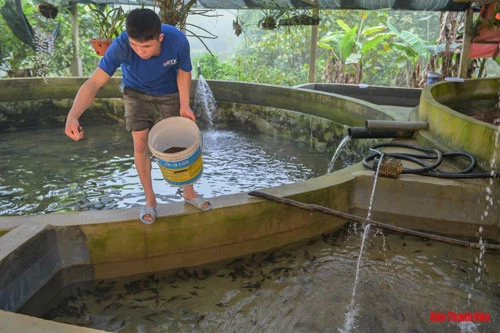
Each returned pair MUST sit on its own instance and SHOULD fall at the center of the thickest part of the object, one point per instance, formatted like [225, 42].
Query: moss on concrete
[455, 130]
[315, 103]
[315, 118]
[190, 239]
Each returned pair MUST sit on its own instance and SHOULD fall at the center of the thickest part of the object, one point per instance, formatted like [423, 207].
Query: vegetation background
[388, 48]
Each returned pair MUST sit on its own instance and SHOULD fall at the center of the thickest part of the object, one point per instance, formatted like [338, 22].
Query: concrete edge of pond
[115, 243]
[15, 322]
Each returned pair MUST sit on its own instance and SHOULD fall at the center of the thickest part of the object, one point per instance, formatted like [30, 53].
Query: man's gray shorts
[142, 110]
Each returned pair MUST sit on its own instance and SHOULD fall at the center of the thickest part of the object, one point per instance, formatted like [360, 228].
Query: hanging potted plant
[110, 23]
[272, 12]
[268, 22]
[487, 26]
[48, 10]
[300, 18]
[237, 27]
[176, 12]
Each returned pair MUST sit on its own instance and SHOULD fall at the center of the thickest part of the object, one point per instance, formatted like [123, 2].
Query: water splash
[204, 103]
[352, 311]
[342, 143]
[479, 261]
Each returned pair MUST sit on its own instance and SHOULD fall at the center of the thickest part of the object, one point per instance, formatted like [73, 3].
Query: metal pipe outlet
[396, 125]
[367, 133]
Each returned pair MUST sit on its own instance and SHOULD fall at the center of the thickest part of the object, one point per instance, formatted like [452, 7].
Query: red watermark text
[458, 317]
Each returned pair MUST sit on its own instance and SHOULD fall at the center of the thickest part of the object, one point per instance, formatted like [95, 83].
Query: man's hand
[73, 129]
[188, 113]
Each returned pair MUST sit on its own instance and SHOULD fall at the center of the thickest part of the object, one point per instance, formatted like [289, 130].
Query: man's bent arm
[83, 100]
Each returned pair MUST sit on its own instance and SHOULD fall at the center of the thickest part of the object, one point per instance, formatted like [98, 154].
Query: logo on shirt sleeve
[170, 62]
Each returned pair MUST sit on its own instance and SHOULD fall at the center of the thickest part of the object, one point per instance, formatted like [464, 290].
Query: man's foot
[148, 215]
[199, 202]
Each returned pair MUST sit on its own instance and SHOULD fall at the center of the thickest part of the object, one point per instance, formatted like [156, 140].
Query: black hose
[426, 169]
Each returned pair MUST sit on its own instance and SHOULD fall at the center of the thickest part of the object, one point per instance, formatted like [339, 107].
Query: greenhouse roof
[413, 5]
[417, 5]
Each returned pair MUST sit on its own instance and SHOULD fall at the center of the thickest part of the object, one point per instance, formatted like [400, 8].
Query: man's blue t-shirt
[154, 76]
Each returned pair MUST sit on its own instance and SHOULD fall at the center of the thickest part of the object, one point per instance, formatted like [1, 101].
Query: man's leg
[169, 107]
[190, 193]
[143, 166]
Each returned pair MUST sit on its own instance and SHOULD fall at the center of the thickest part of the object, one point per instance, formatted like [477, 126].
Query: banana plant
[420, 54]
[411, 47]
[349, 47]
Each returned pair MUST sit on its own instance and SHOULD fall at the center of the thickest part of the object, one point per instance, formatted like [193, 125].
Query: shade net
[416, 5]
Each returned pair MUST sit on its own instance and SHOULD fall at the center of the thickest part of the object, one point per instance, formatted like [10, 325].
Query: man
[156, 67]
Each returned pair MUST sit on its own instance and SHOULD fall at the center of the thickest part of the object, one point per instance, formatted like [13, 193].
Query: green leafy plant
[110, 21]
[349, 49]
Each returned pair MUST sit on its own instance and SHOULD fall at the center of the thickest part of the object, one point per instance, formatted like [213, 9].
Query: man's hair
[143, 24]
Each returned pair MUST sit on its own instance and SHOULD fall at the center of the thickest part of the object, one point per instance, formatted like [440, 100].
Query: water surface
[307, 286]
[42, 171]
[484, 108]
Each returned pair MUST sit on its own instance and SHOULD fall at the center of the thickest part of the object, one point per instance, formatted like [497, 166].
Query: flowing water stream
[331, 165]
[352, 311]
[204, 104]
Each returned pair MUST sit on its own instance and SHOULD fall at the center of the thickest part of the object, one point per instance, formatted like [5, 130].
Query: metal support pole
[466, 45]
[314, 46]
[76, 62]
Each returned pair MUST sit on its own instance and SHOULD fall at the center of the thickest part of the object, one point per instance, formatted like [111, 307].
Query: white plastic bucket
[176, 144]
[454, 79]
[433, 77]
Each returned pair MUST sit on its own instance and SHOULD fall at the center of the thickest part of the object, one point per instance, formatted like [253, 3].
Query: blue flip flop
[199, 202]
[148, 211]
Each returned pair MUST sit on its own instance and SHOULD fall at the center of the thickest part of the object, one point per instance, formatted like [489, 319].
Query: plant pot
[100, 45]
[300, 20]
[487, 35]
[268, 25]
[237, 28]
[48, 10]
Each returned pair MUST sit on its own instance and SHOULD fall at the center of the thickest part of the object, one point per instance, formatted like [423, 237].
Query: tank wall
[32, 102]
[408, 97]
[455, 130]
[32, 255]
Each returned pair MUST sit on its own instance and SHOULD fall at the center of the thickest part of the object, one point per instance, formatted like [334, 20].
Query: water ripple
[43, 171]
